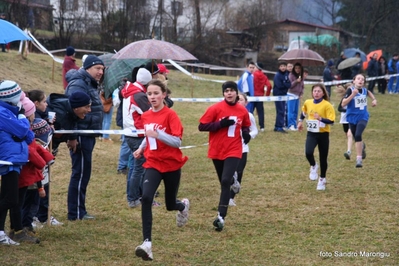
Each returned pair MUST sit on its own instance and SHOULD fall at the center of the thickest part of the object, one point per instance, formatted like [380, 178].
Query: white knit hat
[143, 76]
[10, 92]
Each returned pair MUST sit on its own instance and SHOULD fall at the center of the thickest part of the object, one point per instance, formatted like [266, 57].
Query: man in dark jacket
[281, 85]
[84, 80]
[372, 71]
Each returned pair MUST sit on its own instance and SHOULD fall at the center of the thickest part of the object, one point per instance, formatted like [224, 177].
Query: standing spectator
[226, 122]
[345, 73]
[320, 115]
[135, 103]
[152, 67]
[290, 66]
[164, 160]
[392, 70]
[163, 70]
[253, 131]
[261, 85]
[15, 136]
[246, 84]
[356, 113]
[3, 45]
[85, 80]
[108, 111]
[357, 68]
[296, 90]
[382, 71]
[68, 64]
[372, 71]
[281, 85]
[328, 75]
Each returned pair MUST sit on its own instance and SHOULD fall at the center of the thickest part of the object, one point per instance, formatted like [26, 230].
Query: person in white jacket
[253, 131]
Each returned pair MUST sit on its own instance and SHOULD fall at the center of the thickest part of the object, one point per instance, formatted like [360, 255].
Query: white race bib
[360, 101]
[313, 126]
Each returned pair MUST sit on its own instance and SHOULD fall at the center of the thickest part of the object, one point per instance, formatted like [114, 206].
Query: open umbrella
[351, 52]
[370, 55]
[305, 57]
[9, 32]
[154, 49]
[119, 69]
[107, 59]
[349, 62]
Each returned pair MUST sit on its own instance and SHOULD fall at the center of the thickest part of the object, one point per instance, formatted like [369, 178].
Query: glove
[246, 137]
[21, 111]
[226, 122]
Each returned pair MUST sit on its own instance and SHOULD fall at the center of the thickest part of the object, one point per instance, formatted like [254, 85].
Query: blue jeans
[280, 115]
[130, 166]
[107, 118]
[135, 180]
[390, 85]
[292, 112]
[124, 153]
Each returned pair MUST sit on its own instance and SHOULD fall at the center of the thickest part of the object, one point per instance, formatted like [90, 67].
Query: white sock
[148, 243]
[2, 233]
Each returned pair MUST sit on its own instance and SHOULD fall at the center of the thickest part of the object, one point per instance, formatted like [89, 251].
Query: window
[177, 8]
[70, 5]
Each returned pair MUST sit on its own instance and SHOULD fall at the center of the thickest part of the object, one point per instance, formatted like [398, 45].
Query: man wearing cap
[68, 64]
[135, 103]
[262, 86]
[85, 80]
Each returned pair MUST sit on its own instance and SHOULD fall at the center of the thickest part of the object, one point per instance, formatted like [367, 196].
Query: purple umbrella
[305, 57]
[153, 49]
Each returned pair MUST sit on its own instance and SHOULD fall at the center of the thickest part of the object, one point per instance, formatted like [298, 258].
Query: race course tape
[250, 99]
[337, 82]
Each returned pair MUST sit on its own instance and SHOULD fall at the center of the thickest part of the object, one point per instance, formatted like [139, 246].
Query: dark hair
[300, 73]
[157, 82]
[250, 63]
[282, 63]
[323, 88]
[134, 72]
[35, 95]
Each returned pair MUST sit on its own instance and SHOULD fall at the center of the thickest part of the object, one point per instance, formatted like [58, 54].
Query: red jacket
[32, 172]
[260, 81]
[69, 63]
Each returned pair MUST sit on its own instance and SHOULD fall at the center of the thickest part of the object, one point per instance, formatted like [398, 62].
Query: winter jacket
[281, 83]
[15, 135]
[32, 172]
[81, 80]
[135, 103]
[372, 68]
[68, 64]
[246, 84]
[260, 82]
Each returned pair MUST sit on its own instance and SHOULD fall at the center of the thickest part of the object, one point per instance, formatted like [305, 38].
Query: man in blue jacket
[246, 84]
[85, 80]
[392, 70]
[281, 84]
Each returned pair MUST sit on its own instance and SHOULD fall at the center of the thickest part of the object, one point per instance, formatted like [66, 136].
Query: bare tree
[324, 12]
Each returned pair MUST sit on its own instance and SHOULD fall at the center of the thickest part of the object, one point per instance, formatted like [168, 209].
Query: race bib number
[232, 129]
[360, 101]
[313, 126]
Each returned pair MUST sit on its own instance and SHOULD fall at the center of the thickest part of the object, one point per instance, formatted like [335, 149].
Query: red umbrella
[369, 55]
[153, 49]
[305, 57]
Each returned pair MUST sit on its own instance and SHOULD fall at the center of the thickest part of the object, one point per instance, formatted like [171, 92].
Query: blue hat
[70, 51]
[92, 60]
[42, 130]
[79, 99]
[330, 63]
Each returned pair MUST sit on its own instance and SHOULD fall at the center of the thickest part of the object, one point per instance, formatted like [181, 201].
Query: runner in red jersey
[226, 122]
[164, 160]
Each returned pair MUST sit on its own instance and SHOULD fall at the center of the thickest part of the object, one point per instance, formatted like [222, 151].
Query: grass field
[280, 218]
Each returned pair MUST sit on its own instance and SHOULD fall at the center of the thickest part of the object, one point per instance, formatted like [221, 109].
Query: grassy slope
[280, 218]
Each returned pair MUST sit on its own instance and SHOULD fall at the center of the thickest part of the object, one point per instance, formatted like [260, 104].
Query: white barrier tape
[177, 66]
[111, 131]
[337, 82]
[250, 99]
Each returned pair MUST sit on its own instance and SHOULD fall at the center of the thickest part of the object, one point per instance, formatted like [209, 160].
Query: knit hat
[28, 105]
[162, 69]
[92, 60]
[330, 63]
[10, 92]
[79, 99]
[42, 129]
[84, 58]
[70, 51]
[230, 85]
[259, 65]
[152, 67]
[143, 76]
